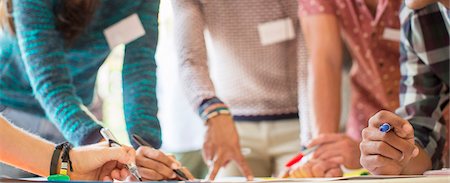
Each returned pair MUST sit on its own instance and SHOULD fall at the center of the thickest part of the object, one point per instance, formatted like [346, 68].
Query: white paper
[124, 31]
[391, 34]
[276, 31]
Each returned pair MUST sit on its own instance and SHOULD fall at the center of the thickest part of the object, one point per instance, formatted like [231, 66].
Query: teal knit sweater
[40, 75]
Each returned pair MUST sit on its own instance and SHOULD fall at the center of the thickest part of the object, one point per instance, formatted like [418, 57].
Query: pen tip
[140, 179]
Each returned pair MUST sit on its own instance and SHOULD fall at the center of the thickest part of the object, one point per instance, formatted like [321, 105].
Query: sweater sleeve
[139, 79]
[189, 26]
[41, 46]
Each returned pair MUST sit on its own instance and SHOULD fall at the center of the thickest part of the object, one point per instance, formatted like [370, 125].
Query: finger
[187, 173]
[148, 174]
[216, 165]
[107, 179]
[306, 170]
[381, 148]
[336, 160]
[107, 168]
[174, 159]
[407, 148]
[156, 166]
[334, 172]
[324, 139]
[124, 173]
[295, 173]
[115, 174]
[157, 156]
[318, 170]
[377, 164]
[401, 127]
[327, 150]
[243, 166]
[208, 153]
[321, 167]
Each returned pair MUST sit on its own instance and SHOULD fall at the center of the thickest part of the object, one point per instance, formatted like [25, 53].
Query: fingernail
[416, 152]
[173, 176]
[175, 166]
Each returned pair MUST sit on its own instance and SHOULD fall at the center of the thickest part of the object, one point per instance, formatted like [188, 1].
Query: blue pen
[385, 127]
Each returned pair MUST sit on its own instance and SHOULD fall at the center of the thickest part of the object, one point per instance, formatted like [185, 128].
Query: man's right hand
[222, 145]
[387, 153]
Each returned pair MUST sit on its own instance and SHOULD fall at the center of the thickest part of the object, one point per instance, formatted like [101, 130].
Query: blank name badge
[124, 31]
[276, 31]
[391, 34]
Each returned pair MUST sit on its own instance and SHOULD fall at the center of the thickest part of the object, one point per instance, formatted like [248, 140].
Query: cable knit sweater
[42, 76]
[231, 63]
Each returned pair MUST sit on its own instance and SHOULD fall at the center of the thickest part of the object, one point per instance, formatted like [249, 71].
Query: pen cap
[106, 133]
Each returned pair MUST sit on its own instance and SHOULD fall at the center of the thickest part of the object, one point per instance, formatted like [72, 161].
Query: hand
[154, 165]
[222, 145]
[316, 168]
[183, 169]
[100, 162]
[387, 153]
[338, 148]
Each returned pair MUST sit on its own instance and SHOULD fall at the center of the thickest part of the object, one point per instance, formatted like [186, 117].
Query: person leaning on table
[96, 162]
[50, 53]
[248, 69]
[420, 127]
[369, 28]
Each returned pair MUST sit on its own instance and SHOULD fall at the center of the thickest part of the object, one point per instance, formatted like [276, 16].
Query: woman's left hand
[100, 162]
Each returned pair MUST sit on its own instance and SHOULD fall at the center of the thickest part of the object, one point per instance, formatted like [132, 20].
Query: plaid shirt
[424, 89]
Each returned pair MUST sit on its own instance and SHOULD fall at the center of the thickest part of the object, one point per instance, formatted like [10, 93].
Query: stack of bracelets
[63, 148]
[211, 108]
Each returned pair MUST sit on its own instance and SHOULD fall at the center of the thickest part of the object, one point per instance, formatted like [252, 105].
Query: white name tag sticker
[124, 31]
[391, 34]
[276, 31]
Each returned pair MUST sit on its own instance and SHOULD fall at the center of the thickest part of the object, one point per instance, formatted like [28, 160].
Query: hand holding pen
[388, 144]
[113, 143]
[155, 165]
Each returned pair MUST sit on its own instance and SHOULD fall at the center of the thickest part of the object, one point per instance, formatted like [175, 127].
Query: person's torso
[247, 75]
[83, 56]
[372, 37]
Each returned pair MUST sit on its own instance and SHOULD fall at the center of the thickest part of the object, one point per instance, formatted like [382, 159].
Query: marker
[300, 155]
[139, 140]
[113, 143]
[385, 127]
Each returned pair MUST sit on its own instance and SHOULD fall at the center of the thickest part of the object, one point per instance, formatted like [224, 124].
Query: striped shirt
[424, 88]
[39, 74]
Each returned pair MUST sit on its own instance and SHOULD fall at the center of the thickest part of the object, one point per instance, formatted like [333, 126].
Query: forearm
[419, 164]
[325, 66]
[23, 150]
[325, 92]
[191, 51]
[139, 78]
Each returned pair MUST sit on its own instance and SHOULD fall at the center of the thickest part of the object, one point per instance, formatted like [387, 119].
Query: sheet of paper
[368, 177]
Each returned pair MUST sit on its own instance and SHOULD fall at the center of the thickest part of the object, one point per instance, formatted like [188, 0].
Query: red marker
[299, 157]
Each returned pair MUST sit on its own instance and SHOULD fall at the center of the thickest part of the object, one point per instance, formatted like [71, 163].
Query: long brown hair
[72, 16]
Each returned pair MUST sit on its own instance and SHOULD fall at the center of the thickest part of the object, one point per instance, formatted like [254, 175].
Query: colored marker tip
[385, 127]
